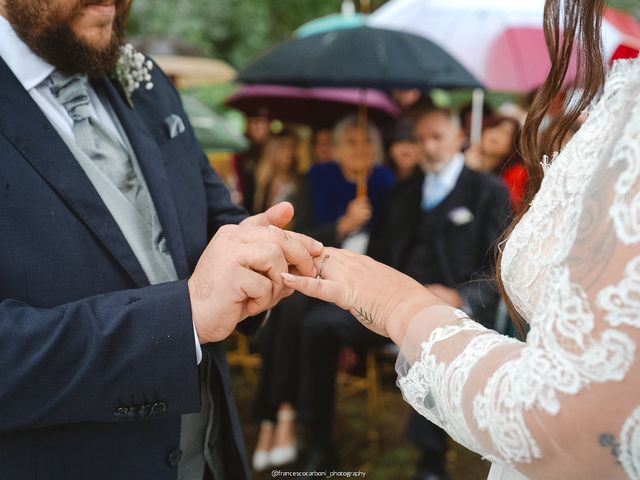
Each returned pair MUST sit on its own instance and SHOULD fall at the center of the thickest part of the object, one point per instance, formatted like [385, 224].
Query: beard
[48, 32]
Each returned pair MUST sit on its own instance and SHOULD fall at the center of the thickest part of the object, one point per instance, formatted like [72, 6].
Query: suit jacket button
[158, 408]
[145, 410]
[175, 457]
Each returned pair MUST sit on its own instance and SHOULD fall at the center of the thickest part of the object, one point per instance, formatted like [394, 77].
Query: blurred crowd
[415, 193]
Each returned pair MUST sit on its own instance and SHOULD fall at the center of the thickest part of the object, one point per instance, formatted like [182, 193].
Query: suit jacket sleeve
[116, 357]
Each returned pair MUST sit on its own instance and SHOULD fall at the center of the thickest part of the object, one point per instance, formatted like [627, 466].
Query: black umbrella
[363, 57]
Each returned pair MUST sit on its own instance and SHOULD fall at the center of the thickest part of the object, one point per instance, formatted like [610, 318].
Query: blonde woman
[277, 173]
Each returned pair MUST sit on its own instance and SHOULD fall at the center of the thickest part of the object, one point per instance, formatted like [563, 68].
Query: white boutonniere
[460, 216]
[132, 72]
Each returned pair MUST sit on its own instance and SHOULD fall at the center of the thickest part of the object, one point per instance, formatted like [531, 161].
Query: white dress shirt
[32, 71]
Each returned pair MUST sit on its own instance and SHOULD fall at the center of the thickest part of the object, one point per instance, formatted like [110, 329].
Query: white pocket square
[175, 125]
[460, 216]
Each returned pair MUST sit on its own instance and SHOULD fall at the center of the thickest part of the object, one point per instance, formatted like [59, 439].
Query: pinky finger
[317, 288]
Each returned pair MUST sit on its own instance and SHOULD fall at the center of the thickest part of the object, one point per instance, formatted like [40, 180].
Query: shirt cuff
[198, 347]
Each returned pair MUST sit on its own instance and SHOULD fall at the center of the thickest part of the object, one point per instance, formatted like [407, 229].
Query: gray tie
[93, 138]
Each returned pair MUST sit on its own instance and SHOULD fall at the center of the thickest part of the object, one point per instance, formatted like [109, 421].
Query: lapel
[442, 227]
[407, 210]
[29, 130]
[150, 157]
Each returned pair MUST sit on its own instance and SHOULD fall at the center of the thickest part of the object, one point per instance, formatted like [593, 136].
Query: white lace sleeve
[565, 404]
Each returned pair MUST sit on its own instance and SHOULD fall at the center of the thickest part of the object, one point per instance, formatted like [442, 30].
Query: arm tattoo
[607, 440]
[365, 317]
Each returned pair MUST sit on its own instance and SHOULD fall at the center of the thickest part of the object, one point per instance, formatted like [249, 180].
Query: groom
[111, 298]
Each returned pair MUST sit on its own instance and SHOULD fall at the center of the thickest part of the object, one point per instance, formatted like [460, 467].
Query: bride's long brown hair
[569, 26]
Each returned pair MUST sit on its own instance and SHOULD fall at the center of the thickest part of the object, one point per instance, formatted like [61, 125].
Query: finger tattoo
[364, 316]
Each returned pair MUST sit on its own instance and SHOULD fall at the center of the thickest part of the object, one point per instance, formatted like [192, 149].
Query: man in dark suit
[441, 227]
[111, 298]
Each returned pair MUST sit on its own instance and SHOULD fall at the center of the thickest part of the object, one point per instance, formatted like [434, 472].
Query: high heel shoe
[260, 460]
[280, 456]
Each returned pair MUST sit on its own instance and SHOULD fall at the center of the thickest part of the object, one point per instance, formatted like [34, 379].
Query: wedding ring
[324, 259]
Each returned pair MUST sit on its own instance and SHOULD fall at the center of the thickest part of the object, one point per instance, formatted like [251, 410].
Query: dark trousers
[279, 345]
[431, 440]
[325, 330]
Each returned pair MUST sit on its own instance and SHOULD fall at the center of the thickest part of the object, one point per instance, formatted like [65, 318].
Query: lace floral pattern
[622, 302]
[572, 269]
[429, 371]
[630, 445]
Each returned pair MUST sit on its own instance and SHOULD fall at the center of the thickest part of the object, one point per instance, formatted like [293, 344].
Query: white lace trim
[563, 357]
[625, 209]
[446, 410]
[630, 445]
[622, 302]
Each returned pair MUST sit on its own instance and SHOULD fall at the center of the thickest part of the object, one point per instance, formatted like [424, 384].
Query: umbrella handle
[476, 115]
[361, 187]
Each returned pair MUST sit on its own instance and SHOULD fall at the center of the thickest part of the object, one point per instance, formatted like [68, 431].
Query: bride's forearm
[407, 310]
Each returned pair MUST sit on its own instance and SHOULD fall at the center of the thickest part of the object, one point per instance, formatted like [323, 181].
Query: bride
[565, 403]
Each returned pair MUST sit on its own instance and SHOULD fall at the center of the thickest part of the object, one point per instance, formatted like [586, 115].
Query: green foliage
[238, 30]
[232, 30]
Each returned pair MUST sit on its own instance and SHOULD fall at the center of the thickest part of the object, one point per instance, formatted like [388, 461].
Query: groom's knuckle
[273, 250]
[279, 235]
[226, 231]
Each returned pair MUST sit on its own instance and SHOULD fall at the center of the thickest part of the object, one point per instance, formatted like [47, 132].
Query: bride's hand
[381, 298]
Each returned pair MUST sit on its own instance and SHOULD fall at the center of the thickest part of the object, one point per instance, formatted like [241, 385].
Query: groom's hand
[239, 273]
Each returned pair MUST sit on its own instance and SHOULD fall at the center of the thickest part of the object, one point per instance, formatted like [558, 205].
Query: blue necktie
[433, 192]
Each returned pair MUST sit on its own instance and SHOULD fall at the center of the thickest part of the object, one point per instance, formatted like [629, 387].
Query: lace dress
[565, 404]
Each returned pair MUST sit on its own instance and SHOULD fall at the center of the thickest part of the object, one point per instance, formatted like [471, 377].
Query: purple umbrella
[319, 107]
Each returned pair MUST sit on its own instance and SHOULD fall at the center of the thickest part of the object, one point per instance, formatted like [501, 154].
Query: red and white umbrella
[500, 41]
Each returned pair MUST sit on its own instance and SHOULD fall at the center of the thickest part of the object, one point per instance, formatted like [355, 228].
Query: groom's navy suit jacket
[96, 366]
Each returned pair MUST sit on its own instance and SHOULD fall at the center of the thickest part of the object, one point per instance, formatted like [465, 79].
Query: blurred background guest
[276, 176]
[258, 132]
[322, 145]
[329, 208]
[498, 153]
[335, 214]
[404, 152]
[407, 98]
[441, 227]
